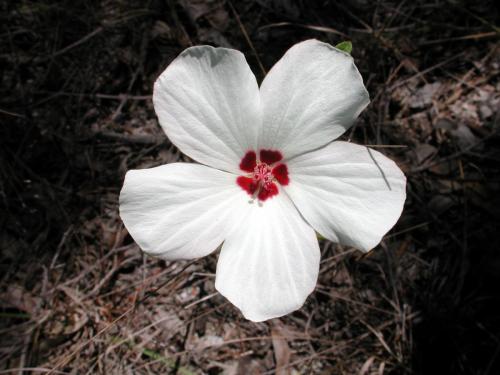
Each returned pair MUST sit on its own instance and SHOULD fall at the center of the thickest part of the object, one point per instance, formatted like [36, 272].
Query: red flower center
[262, 174]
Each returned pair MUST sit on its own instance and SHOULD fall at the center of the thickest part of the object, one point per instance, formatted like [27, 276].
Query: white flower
[270, 175]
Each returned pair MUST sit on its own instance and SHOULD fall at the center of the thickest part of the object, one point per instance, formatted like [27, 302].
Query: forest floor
[78, 296]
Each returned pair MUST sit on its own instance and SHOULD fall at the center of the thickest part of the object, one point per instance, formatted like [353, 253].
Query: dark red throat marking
[248, 162]
[270, 156]
[280, 172]
[263, 174]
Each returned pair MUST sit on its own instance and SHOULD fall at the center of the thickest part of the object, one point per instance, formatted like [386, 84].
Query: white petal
[270, 264]
[208, 104]
[349, 193]
[180, 210]
[310, 97]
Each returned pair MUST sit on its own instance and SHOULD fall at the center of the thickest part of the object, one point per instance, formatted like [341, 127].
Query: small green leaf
[345, 46]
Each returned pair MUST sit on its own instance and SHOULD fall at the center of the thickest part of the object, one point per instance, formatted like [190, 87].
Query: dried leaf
[19, 298]
[366, 366]
[281, 351]
[424, 95]
[424, 152]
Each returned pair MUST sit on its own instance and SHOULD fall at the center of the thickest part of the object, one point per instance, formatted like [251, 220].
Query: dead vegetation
[78, 297]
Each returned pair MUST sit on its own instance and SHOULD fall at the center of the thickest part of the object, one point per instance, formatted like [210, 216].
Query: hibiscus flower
[269, 176]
